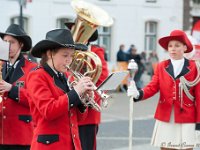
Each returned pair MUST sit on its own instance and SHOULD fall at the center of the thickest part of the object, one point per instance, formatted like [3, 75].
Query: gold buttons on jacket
[47, 142]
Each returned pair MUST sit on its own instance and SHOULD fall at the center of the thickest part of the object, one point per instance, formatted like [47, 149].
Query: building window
[104, 40]
[150, 36]
[15, 20]
[151, 1]
[61, 22]
[196, 1]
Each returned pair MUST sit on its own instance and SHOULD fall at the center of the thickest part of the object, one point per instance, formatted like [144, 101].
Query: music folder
[4, 50]
[113, 81]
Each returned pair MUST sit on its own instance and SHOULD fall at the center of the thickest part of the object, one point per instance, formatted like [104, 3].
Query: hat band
[69, 45]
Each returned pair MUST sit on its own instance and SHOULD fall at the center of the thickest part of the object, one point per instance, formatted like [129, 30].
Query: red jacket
[94, 117]
[15, 118]
[55, 120]
[164, 81]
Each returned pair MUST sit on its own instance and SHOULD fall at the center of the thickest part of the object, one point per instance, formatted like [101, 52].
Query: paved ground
[114, 129]
[113, 133]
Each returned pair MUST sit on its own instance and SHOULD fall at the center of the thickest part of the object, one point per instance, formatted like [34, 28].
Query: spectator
[121, 54]
[130, 48]
[153, 60]
[141, 68]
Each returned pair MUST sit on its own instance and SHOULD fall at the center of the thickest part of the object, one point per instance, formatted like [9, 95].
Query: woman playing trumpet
[55, 107]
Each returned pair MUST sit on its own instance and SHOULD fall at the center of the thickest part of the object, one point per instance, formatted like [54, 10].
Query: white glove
[132, 90]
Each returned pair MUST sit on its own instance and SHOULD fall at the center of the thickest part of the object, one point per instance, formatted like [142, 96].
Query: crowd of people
[144, 64]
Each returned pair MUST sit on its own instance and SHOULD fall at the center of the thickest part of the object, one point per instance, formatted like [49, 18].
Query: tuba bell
[89, 17]
[87, 63]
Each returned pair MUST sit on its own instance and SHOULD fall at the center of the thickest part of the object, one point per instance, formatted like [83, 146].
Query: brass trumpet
[88, 100]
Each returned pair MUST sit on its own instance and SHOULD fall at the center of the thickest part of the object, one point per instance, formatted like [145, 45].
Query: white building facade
[138, 22]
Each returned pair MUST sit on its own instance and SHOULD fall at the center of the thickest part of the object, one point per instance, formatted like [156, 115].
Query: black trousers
[14, 147]
[87, 135]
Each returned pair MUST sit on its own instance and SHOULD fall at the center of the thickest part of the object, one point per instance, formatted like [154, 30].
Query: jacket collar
[184, 70]
[18, 71]
[57, 81]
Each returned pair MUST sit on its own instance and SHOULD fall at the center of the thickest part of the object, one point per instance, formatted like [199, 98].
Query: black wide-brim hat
[57, 38]
[94, 36]
[17, 32]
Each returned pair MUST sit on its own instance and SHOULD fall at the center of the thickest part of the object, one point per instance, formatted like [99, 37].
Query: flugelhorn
[87, 100]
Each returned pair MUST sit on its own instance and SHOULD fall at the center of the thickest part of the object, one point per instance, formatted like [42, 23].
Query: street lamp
[21, 3]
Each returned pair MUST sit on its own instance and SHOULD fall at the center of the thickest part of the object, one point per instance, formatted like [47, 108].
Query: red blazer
[165, 82]
[15, 118]
[94, 117]
[55, 120]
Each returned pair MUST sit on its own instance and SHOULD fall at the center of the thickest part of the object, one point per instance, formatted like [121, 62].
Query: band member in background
[55, 106]
[178, 109]
[28, 56]
[88, 127]
[15, 122]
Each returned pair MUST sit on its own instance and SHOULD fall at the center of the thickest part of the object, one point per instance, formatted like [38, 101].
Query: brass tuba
[87, 63]
[89, 17]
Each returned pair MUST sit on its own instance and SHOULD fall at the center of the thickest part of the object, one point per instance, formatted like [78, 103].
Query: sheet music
[4, 50]
[113, 81]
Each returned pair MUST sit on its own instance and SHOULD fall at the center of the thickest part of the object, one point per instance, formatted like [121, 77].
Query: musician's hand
[132, 90]
[83, 85]
[90, 93]
[5, 86]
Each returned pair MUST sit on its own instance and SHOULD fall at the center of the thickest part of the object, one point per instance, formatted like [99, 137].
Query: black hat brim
[24, 38]
[42, 46]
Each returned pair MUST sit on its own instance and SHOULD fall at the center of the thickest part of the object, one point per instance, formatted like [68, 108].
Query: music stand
[112, 81]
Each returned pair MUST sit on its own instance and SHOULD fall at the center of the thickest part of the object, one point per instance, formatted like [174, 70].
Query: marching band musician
[178, 110]
[15, 122]
[88, 127]
[55, 107]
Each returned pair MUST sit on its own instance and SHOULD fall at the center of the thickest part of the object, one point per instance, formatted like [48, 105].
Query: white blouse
[177, 66]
